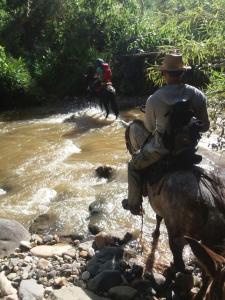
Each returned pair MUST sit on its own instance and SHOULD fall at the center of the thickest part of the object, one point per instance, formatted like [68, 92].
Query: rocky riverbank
[105, 266]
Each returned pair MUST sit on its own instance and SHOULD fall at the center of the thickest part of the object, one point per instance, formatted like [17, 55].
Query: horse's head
[214, 267]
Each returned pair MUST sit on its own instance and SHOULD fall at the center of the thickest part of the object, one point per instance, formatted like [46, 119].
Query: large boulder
[11, 234]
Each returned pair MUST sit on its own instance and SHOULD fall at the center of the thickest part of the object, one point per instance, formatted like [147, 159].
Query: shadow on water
[84, 122]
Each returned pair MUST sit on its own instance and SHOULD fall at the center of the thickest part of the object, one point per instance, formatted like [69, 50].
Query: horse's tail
[215, 187]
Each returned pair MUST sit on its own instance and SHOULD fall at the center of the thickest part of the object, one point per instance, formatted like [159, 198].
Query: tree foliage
[55, 41]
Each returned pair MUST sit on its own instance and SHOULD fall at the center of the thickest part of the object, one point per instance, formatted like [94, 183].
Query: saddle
[182, 161]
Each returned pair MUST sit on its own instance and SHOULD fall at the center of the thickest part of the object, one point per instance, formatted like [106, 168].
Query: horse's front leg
[156, 232]
[177, 246]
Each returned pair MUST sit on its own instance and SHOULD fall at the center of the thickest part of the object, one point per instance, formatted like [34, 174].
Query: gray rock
[94, 229]
[11, 234]
[107, 259]
[85, 275]
[105, 280]
[30, 290]
[6, 287]
[122, 292]
[50, 250]
[44, 224]
[97, 207]
[85, 246]
[184, 282]
[72, 293]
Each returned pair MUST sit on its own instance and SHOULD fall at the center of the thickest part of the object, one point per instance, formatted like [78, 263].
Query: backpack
[107, 73]
[184, 130]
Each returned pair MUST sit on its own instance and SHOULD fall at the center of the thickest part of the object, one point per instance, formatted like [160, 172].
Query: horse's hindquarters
[175, 198]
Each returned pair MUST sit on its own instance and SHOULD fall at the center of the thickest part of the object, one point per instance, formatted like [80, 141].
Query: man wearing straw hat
[156, 123]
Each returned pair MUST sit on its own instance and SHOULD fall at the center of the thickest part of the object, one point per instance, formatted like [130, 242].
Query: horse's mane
[214, 185]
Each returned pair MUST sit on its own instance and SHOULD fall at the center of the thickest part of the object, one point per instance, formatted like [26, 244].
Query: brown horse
[213, 287]
[190, 201]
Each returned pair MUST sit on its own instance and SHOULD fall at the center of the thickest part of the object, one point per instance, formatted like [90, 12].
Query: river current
[48, 159]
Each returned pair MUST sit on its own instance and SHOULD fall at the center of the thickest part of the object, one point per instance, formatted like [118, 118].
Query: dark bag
[184, 128]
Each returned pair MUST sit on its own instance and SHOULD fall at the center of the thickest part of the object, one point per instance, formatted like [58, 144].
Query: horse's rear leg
[156, 232]
[105, 104]
[177, 246]
[114, 107]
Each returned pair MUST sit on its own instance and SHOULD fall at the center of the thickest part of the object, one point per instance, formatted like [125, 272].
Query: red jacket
[107, 73]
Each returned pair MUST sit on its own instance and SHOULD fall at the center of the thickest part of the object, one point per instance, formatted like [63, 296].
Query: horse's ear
[207, 258]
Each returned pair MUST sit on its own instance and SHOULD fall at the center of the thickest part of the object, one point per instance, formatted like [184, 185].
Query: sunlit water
[47, 165]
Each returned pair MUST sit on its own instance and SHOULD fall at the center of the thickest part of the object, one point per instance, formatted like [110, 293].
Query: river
[48, 159]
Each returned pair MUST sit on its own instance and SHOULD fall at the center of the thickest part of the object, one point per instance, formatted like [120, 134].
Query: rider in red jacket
[107, 74]
[103, 75]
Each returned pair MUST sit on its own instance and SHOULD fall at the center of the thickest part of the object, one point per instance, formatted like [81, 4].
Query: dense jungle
[47, 46]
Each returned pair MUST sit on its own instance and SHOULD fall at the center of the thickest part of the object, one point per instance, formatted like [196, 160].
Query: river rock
[11, 234]
[105, 280]
[104, 172]
[97, 207]
[72, 293]
[43, 264]
[94, 229]
[50, 250]
[158, 281]
[103, 239]
[44, 224]
[85, 246]
[6, 287]
[108, 258]
[184, 282]
[85, 275]
[30, 290]
[122, 292]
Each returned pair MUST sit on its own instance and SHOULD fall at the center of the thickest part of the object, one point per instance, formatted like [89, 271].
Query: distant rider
[103, 76]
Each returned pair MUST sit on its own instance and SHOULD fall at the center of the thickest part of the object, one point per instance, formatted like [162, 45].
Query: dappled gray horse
[190, 201]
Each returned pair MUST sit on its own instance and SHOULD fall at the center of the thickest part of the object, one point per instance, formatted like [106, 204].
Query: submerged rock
[104, 172]
[43, 224]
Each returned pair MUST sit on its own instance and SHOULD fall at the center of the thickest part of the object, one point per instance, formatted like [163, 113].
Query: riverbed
[48, 158]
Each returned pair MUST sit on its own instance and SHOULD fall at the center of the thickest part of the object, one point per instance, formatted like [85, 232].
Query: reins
[140, 243]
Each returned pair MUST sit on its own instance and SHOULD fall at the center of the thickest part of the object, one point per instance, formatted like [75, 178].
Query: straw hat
[173, 62]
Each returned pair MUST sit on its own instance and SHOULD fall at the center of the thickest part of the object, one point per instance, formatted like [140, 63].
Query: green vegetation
[46, 46]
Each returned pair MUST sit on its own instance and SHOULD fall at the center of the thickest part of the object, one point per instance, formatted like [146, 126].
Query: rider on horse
[103, 76]
[157, 125]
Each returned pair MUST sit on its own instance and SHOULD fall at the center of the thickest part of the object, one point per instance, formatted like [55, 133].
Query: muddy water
[47, 165]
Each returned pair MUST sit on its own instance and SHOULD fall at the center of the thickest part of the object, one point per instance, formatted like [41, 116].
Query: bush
[14, 77]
